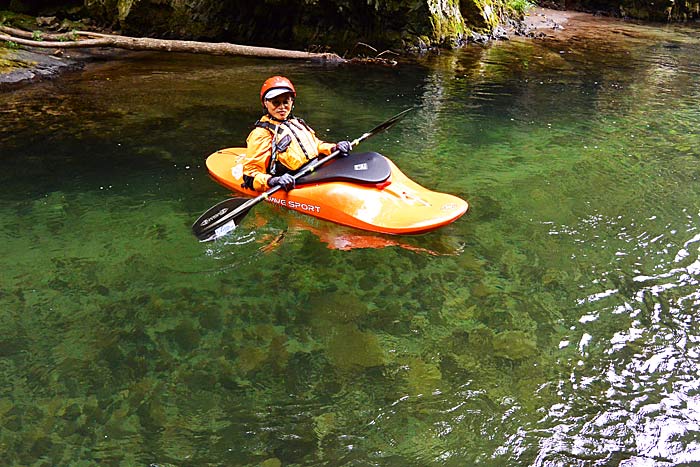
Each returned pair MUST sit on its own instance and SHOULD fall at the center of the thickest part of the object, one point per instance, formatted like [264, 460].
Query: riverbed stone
[351, 349]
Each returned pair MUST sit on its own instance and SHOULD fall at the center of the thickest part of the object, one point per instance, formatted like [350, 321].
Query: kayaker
[281, 144]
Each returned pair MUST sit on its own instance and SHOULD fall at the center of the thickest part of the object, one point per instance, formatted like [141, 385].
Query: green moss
[446, 21]
[480, 14]
[481, 340]
[18, 20]
[329, 308]
[518, 8]
[662, 11]
[7, 63]
[325, 423]
[426, 23]
[665, 10]
[186, 335]
[5, 406]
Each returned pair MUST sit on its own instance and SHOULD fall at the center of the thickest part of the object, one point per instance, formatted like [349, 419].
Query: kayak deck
[394, 206]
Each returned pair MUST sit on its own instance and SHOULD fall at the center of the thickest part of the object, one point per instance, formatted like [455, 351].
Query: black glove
[286, 180]
[344, 147]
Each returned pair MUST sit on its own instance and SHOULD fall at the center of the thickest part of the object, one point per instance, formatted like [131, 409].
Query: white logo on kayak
[295, 205]
[237, 171]
[362, 166]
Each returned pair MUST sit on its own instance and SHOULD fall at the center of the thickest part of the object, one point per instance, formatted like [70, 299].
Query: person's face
[280, 106]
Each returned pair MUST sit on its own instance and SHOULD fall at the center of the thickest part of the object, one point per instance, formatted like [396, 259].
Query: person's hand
[286, 181]
[344, 147]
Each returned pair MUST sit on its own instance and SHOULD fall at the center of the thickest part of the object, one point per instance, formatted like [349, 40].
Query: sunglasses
[278, 101]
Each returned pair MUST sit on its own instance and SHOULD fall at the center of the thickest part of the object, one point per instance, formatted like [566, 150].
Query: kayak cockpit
[361, 167]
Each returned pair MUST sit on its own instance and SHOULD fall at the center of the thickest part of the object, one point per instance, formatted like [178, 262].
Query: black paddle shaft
[223, 217]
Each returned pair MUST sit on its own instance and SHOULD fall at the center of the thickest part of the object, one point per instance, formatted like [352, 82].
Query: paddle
[223, 217]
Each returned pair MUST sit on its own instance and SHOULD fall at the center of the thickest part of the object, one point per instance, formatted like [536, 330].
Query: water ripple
[637, 347]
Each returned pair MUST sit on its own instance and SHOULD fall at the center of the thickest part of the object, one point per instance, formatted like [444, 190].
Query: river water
[553, 325]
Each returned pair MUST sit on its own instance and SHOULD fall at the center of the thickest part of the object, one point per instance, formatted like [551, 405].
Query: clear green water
[553, 325]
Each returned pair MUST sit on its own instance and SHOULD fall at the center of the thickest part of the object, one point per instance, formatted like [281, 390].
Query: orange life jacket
[275, 148]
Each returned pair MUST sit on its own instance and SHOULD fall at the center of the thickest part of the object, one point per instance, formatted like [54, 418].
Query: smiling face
[280, 106]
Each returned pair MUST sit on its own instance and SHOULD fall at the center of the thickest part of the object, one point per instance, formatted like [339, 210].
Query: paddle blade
[219, 219]
[389, 123]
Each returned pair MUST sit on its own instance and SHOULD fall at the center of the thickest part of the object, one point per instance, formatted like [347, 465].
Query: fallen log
[41, 35]
[72, 40]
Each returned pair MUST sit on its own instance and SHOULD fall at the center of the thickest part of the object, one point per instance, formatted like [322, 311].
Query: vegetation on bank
[344, 26]
[339, 25]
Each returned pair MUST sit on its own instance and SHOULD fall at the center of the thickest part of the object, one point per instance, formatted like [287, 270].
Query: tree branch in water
[72, 40]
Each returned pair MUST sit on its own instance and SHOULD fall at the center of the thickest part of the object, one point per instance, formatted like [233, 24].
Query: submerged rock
[422, 377]
[329, 308]
[250, 358]
[514, 345]
[350, 348]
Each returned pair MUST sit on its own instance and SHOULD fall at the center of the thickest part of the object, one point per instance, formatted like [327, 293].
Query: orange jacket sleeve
[325, 148]
[258, 152]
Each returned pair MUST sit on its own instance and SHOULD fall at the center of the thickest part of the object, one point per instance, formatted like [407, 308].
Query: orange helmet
[275, 86]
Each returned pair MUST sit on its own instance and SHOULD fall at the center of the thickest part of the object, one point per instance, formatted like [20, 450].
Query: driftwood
[87, 39]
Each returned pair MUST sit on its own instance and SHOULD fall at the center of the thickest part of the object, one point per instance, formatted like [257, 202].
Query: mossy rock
[447, 22]
[480, 14]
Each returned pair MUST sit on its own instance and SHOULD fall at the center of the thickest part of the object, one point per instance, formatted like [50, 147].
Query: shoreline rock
[539, 19]
[28, 65]
[21, 66]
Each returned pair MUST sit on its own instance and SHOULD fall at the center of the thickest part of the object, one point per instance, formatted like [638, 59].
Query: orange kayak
[365, 190]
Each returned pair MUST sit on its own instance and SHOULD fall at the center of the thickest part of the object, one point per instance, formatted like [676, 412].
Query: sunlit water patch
[630, 397]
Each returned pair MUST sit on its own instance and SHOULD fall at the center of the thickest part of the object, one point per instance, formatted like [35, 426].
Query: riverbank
[540, 22]
[23, 65]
